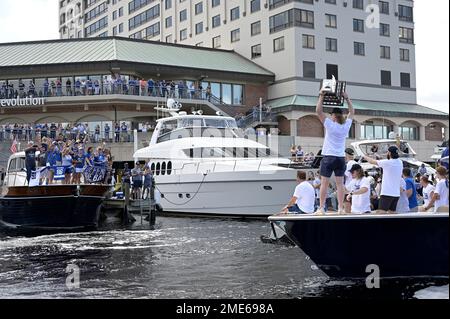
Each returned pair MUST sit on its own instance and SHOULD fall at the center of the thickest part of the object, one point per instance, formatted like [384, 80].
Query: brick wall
[433, 134]
[253, 93]
[310, 126]
[284, 126]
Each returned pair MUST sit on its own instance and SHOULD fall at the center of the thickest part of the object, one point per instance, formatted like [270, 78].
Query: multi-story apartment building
[368, 43]
[300, 41]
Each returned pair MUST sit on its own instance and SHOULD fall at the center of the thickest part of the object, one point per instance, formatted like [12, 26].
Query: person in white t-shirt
[403, 202]
[440, 195]
[359, 189]
[302, 202]
[390, 185]
[427, 191]
[337, 129]
[349, 159]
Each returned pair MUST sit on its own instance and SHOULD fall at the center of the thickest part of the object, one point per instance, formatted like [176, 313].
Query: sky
[26, 20]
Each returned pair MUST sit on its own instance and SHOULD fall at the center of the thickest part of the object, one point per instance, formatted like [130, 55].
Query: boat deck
[293, 217]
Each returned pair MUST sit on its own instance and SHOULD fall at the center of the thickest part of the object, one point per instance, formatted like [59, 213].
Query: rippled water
[182, 258]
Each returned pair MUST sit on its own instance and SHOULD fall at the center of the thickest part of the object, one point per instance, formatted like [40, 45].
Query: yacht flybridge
[204, 164]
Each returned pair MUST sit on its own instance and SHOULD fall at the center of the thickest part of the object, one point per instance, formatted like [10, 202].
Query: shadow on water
[181, 258]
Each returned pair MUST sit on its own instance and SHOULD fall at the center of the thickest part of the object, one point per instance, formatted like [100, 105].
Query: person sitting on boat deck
[359, 191]
[422, 170]
[427, 191]
[348, 176]
[390, 184]
[337, 129]
[302, 202]
[440, 195]
[30, 159]
[411, 191]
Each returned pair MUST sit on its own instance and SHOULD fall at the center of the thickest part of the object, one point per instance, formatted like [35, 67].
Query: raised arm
[319, 107]
[351, 110]
[370, 160]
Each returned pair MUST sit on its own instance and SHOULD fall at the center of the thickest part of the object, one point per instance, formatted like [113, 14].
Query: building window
[358, 4]
[384, 7]
[199, 28]
[215, 3]
[256, 51]
[168, 4]
[183, 15]
[330, 21]
[331, 44]
[309, 70]
[404, 55]
[199, 8]
[114, 15]
[406, 35]
[256, 28]
[144, 17]
[121, 28]
[278, 44]
[235, 35]
[234, 14]
[255, 5]
[114, 31]
[405, 80]
[358, 25]
[277, 3]
[385, 30]
[183, 34]
[330, 1]
[136, 5]
[168, 22]
[216, 42]
[385, 52]
[308, 41]
[386, 78]
[120, 11]
[359, 48]
[405, 13]
[332, 70]
[409, 132]
[216, 21]
[371, 130]
[291, 18]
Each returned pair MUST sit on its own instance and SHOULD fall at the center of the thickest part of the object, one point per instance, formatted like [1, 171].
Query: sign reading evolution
[27, 101]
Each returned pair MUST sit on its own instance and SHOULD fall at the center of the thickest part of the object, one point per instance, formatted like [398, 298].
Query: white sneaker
[320, 211]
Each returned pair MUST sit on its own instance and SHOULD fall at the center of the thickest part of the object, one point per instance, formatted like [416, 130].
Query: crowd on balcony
[120, 85]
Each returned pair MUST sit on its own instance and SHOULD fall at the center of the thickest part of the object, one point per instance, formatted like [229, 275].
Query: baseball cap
[336, 110]
[349, 151]
[355, 167]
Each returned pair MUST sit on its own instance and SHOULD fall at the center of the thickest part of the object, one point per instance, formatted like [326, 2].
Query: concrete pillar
[422, 132]
[293, 127]
[357, 131]
[395, 129]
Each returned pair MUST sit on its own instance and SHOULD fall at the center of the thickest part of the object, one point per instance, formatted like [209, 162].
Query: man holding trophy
[337, 128]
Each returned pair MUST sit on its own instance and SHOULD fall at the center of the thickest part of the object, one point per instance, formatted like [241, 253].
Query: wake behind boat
[400, 245]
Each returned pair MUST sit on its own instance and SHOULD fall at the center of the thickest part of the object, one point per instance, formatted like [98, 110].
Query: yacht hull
[400, 245]
[227, 194]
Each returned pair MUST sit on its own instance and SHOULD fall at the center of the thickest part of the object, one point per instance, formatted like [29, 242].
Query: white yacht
[205, 165]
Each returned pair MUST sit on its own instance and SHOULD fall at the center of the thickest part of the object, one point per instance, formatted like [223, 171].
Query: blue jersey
[413, 199]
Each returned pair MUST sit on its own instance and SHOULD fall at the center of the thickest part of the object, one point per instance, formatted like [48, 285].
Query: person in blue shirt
[150, 85]
[79, 159]
[411, 190]
[52, 158]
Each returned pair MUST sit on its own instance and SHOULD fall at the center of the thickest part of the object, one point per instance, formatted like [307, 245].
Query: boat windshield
[379, 150]
[191, 126]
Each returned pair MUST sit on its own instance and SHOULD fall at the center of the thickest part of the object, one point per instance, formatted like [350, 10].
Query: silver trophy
[333, 91]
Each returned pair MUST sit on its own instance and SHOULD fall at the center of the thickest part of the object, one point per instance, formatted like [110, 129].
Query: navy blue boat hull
[71, 213]
[400, 247]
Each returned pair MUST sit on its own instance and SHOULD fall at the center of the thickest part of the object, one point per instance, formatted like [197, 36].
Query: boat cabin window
[379, 150]
[16, 164]
[232, 152]
[163, 168]
[169, 168]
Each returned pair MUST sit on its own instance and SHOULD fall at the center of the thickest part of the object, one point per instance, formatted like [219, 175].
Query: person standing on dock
[337, 129]
[391, 182]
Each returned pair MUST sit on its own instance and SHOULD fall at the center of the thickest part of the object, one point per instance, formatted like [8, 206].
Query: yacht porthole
[163, 168]
[188, 195]
[268, 188]
[180, 195]
[158, 168]
[169, 168]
